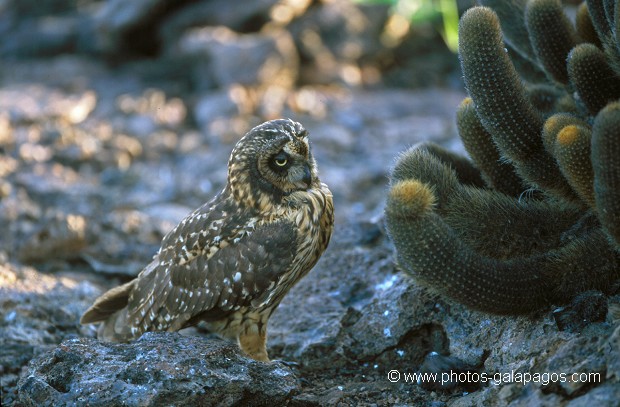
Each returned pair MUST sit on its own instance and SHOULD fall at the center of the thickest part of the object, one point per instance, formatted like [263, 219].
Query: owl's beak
[307, 178]
[304, 177]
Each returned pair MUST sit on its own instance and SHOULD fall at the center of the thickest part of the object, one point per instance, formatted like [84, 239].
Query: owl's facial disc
[272, 161]
[288, 170]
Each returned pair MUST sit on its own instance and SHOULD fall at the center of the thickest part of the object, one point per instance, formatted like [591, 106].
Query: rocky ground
[104, 149]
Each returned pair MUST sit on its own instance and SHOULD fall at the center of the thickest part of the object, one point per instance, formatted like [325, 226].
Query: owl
[230, 262]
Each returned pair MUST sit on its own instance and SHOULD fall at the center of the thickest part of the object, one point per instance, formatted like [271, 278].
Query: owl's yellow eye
[280, 161]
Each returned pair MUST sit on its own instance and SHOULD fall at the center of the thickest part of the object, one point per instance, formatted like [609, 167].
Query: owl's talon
[263, 357]
[254, 344]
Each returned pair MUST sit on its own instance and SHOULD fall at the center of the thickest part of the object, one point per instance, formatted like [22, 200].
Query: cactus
[606, 163]
[596, 82]
[479, 144]
[552, 36]
[540, 222]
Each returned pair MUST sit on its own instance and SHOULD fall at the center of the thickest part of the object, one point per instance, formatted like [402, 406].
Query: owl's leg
[253, 341]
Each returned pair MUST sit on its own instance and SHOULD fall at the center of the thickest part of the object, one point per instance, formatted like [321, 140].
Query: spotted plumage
[231, 261]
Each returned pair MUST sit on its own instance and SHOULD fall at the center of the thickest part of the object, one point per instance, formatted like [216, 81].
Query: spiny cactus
[545, 225]
[606, 156]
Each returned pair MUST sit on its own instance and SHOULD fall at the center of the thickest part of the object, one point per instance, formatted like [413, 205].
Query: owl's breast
[312, 213]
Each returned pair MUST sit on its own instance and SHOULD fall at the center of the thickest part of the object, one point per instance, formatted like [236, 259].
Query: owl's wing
[241, 272]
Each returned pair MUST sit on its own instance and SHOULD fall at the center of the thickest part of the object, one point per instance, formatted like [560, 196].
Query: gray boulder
[158, 369]
[221, 57]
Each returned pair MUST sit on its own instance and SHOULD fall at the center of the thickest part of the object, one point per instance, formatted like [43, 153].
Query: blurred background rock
[315, 42]
[112, 107]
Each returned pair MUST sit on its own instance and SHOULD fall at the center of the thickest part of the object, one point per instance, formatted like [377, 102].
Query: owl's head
[271, 161]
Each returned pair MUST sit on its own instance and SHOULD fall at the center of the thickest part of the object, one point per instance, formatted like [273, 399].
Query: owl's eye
[281, 160]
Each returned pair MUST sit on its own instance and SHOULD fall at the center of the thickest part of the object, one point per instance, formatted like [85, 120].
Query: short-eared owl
[231, 261]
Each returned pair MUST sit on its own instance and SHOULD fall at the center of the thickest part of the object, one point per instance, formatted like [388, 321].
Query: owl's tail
[111, 308]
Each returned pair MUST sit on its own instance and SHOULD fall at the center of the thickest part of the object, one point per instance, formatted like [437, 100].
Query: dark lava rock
[60, 236]
[37, 311]
[453, 373]
[158, 369]
[354, 308]
[337, 31]
[220, 57]
[587, 307]
[241, 16]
